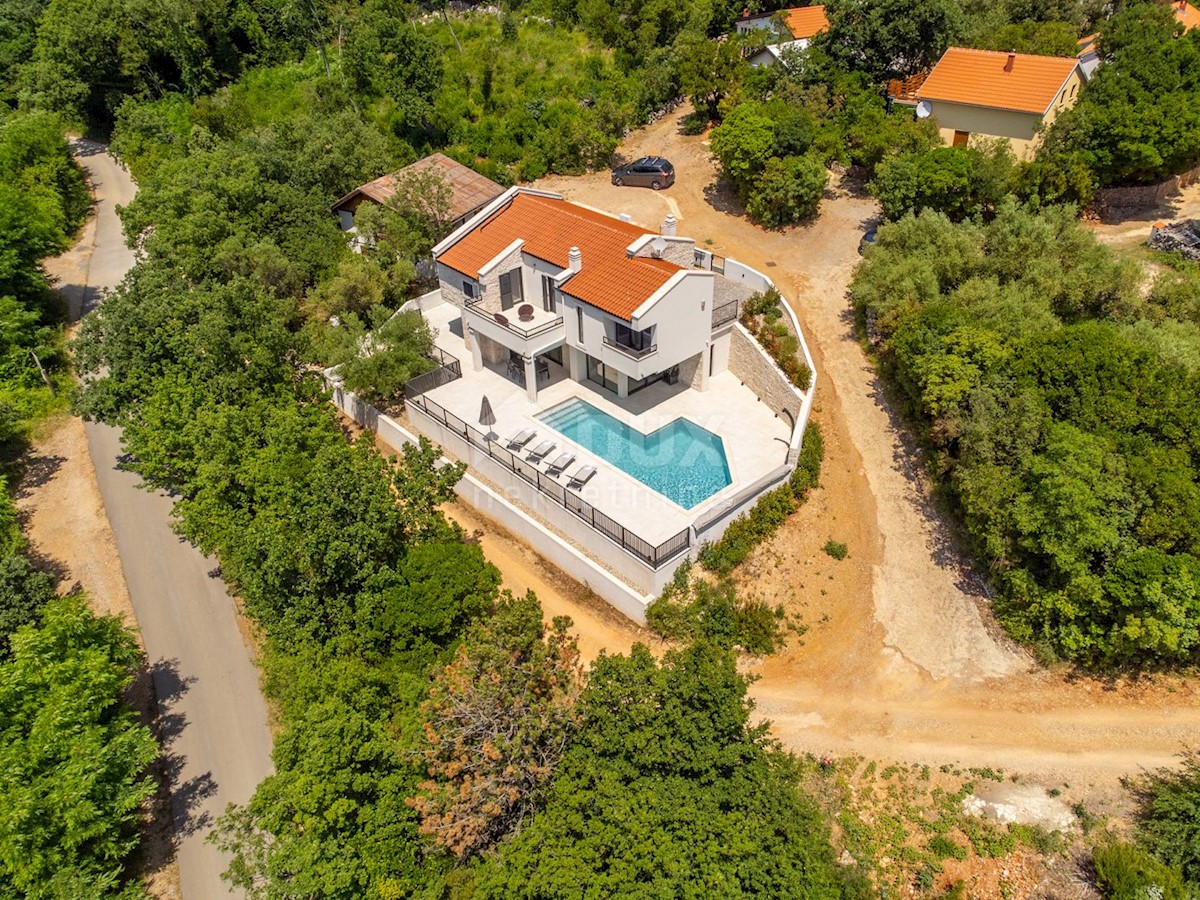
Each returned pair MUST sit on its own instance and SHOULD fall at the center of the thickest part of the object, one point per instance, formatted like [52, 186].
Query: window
[469, 289]
[547, 293]
[635, 340]
[510, 289]
[579, 316]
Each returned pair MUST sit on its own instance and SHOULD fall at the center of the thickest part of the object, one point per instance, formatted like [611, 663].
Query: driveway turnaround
[212, 715]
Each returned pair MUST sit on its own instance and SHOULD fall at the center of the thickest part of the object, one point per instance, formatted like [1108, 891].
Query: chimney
[625, 217]
[668, 226]
[574, 260]
[1012, 58]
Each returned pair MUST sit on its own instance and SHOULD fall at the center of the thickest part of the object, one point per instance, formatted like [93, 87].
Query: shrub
[764, 519]
[788, 191]
[760, 314]
[692, 608]
[945, 848]
[1126, 873]
[1171, 825]
[836, 549]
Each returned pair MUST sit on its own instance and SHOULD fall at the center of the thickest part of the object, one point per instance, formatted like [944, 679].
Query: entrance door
[961, 138]
[603, 375]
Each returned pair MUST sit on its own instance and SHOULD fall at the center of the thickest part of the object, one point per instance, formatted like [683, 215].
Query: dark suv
[649, 171]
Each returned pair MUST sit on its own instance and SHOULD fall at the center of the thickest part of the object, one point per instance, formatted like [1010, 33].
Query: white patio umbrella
[487, 418]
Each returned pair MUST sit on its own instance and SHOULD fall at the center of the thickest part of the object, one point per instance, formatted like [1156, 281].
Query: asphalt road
[213, 716]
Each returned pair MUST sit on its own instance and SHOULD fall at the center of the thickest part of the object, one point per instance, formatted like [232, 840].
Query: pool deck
[755, 439]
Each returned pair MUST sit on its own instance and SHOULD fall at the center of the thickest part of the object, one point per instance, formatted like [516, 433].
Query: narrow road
[211, 709]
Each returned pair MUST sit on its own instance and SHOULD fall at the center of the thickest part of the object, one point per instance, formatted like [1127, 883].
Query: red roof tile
[550, 227]
[1187, 14]
[807, 21]
[979, 78]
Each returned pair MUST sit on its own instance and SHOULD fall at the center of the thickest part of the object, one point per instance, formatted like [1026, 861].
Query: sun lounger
[521, 438]
[581, 477]
[560, 464]
[541, 451]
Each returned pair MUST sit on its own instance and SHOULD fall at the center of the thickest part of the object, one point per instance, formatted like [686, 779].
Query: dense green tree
[668, 791]
[72, 756]
[1138, 118]
[1067, 441]
[24, 591]
[1170, 809]
[789, 191]
[743, 143]
[710, 70]
[384, 55]
[890, 38]
[1038, 38]
[1125, 872]
[958, 181]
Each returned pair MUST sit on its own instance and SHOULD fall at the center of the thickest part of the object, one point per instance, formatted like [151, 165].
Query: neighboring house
[1089, 55]
[539, 279]
[992, 94]
[1187, 15]
[799, 27]
[469, 191]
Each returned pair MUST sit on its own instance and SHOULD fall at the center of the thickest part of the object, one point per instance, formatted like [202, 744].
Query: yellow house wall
[1018, 127]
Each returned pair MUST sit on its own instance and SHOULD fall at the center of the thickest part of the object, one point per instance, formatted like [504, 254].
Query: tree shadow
[176, 807]
[36, 470]
[724, 199]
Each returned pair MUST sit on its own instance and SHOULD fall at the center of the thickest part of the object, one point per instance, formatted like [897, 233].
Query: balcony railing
[723, 313]
[631, 352]
[513, 324]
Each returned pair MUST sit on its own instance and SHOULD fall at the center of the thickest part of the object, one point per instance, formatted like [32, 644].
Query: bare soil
[903, 659]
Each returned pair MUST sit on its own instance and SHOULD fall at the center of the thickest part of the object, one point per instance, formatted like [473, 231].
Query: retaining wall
[1145, 196]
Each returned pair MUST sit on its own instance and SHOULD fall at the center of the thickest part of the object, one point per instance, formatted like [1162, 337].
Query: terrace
[644, 522]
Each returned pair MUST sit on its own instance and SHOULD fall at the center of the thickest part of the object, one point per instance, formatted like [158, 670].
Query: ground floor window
[555, 355]
[635, 386]
[598, 372]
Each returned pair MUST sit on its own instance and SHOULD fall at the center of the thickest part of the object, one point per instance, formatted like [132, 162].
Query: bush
[788, 191]
[836, 549]
[944, 848]
[760, 315]
[1171, 823]
[770, 512]
[1126, 873]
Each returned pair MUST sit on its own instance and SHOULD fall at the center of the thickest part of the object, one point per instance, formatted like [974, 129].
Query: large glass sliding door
[605, 376]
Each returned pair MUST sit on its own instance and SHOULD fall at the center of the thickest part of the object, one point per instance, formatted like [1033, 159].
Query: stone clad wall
[750, 363]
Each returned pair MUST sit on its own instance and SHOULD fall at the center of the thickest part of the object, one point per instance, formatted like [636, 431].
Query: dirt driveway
[902, 659]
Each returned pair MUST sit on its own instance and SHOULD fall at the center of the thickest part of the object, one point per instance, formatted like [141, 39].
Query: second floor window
[510, 289]
[635, 340]
[469, 289]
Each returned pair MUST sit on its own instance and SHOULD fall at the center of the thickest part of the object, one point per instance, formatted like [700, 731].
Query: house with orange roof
[993, 94]
[791, 29]
[1187, 15]
[542, 281]
[594, 376]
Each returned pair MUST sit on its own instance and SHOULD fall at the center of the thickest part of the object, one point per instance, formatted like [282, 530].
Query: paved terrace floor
[755, 439]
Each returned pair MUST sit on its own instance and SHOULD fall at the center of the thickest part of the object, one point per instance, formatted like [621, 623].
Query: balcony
[538, 331]
[631, 352]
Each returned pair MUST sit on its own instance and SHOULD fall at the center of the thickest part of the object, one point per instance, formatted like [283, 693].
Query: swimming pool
[682, 461]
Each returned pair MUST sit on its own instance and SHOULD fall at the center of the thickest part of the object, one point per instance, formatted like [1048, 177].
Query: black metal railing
[515, 327]
[718, 264]
[724, 312]
[631, 352]
[653, 555]
[449, 369]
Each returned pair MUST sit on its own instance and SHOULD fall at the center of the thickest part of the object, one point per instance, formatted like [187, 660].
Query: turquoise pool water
[682, 461]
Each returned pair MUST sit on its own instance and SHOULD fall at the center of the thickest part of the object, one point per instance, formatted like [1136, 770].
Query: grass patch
[836, 549]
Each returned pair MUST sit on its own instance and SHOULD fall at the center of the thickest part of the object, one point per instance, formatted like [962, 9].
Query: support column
[701, 381]
[530, 379]
[576, 363]
[622, 385]
[476, 354]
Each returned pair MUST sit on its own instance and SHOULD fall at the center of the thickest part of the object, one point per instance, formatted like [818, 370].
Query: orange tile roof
[468, 189]
[1187, 14]
[1088, 44]
[608, 278]
[978, 78]
[807, 21]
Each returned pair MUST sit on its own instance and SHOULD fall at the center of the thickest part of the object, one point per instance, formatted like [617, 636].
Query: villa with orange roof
[796, 27]
[1187, 15]
[594, 375]
[993, 94]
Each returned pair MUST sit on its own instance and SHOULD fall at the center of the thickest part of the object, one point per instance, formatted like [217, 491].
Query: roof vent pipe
[574, 260]
[1012, 58]
[668, 226]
